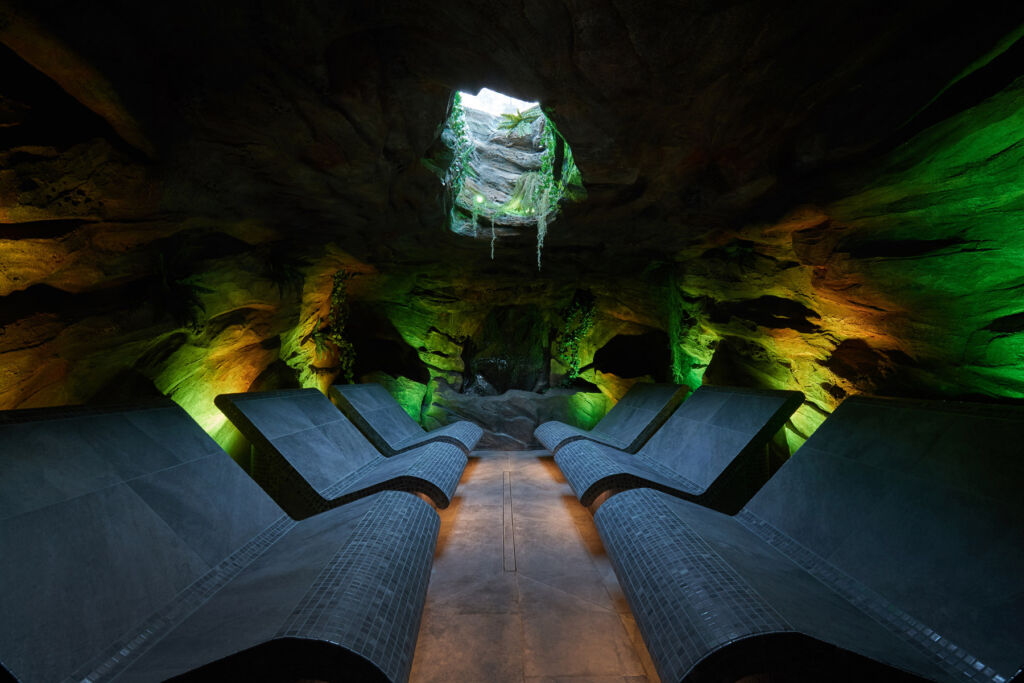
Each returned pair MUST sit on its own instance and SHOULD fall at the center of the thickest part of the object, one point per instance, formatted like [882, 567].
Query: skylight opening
[511, 168]
[495, 103]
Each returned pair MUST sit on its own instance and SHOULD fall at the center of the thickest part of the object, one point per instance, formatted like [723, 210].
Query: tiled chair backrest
[94, 530]
[305, 427]
[714, 425]
[920, 503]
[637, 409]
[373, 402]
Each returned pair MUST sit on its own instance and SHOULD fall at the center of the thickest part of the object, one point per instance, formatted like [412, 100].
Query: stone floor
[521, 588]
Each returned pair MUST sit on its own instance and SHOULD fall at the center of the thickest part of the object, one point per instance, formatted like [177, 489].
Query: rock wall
[809, 196]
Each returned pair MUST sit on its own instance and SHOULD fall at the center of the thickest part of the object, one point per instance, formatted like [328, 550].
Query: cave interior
[200, 199]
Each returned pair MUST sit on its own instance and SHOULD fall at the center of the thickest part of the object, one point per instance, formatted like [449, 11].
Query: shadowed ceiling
[803, 195]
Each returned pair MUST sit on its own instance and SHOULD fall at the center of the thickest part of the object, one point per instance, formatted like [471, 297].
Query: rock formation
[809, 195]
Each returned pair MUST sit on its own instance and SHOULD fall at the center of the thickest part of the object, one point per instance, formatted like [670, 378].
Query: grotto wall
[804, 196]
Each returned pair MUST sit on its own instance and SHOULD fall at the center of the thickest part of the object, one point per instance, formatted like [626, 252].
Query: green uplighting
[479, 199]
[955, 192]
[587, 409]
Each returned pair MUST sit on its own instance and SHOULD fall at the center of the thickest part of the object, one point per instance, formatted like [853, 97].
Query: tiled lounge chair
[627, 426]
[895, 535]
[712, 450]
[386, 424]
[134, 548]
[310, 458]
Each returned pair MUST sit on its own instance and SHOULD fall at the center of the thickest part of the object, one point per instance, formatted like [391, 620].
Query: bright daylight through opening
[510, 167]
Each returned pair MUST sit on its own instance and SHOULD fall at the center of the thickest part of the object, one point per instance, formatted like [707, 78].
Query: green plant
[331, 331]
[542, 225]
[520, 122]
[524, 195]
[535, 193]
[462, 149]
[577, 321]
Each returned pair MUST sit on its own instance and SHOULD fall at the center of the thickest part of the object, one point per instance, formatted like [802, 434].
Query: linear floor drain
[509, 534]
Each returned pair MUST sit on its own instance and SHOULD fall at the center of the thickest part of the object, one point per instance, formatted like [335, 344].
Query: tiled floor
[521, 589]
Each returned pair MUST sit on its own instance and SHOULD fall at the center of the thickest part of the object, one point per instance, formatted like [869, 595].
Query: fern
[518, 123]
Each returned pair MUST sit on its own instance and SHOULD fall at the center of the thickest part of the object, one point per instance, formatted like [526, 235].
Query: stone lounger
[310, 458]
[712, 450]
[135, 549]
[895, 535]
[627, 426]
[388, 427]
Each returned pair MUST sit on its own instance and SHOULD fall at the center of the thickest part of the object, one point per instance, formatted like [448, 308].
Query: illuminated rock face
[820, 198]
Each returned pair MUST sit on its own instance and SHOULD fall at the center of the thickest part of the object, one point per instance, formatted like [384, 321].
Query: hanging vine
[462, 148]
[577, 321]
[494, 237]
[535, 193]
[330, 332]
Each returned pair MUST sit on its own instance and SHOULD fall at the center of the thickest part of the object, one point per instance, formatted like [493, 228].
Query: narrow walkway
[521, 588]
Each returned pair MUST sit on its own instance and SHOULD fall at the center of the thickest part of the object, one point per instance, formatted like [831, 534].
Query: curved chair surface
[386, 424]
[135, 548]
[629, 423]
[310, 458]
[896, 533]
[711, 450]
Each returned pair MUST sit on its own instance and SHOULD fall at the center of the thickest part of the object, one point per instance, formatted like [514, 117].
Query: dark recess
[1008, 324]
[968, 92]
[42, 299]
[275, 376]
[636, 355]
[47, 116]
[39, 230]
[379, 347]
[899, 248]
[125, 387]
[511, 351]
[767, 311]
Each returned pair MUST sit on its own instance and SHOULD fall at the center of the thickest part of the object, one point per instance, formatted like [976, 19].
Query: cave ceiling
[826, 192]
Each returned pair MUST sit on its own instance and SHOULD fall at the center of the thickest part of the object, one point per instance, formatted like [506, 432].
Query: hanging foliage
[330, 332]
[534, 194]
[462, 148]
[577, 321]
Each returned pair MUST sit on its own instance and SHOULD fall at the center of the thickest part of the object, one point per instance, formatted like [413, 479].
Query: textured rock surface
[509, 419]
[500, 157]
[812, 196]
